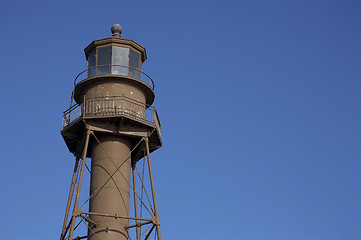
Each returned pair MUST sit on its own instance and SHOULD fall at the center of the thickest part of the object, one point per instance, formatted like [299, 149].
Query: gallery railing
[114, 69]
[111, 106]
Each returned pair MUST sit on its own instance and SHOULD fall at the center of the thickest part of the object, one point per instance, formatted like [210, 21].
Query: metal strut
[135, 201]
[76, 203]
[71, 192]
[153, 190]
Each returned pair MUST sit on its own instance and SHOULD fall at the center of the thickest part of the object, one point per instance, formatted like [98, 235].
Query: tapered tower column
[114, 124]
[109, 154]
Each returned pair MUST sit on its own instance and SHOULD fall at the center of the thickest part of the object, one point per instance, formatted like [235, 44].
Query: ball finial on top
[116, 30]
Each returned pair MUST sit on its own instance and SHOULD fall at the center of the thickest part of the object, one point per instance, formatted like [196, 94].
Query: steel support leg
[135, 201]
[71, 193]
[76, 203]
[152, 186]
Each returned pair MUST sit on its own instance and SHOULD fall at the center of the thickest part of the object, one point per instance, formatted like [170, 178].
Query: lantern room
[115, 56]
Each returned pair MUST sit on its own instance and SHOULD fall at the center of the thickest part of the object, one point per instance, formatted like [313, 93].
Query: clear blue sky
[259, 103]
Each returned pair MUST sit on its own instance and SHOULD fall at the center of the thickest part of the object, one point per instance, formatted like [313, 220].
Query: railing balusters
[110, 106]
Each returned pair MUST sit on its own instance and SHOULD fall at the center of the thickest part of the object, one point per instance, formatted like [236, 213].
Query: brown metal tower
[111, 121]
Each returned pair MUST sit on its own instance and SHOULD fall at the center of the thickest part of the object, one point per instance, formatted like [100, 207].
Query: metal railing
[111, 106]
[71, 115]
[114, 69]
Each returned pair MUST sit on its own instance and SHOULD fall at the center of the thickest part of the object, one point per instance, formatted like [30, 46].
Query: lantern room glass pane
[120, 58]
[104, 60]
[91, 64]
[134, 64]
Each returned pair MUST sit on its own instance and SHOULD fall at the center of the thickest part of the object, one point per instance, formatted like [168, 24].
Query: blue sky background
[259, 102]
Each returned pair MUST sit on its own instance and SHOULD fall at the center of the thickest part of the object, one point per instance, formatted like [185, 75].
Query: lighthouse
[113, 124]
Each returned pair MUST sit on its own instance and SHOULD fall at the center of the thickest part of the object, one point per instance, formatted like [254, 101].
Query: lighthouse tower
[112, 122]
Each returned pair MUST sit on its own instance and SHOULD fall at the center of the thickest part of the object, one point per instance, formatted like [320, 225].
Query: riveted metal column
[76, 210]
[152, 186]
[110, 154]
